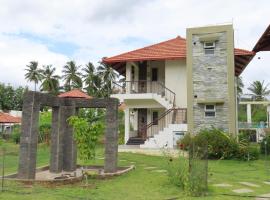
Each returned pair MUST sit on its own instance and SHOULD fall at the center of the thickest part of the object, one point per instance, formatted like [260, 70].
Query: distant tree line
[11, 98]
[96, 81]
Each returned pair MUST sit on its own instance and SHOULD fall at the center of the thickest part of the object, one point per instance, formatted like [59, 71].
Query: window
[209, 47]
[155, 117]
[210, 110]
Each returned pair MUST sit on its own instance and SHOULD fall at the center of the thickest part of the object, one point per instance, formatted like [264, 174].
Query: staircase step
[135, 141]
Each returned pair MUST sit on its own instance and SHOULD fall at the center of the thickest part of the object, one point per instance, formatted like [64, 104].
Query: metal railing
[252, 125]
[171, 116]
[139, 87]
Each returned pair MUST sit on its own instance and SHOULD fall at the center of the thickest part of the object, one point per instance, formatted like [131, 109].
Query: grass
[139, 184]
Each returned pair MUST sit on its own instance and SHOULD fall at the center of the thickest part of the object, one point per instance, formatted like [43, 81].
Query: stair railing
[170, 116]
[138, 87]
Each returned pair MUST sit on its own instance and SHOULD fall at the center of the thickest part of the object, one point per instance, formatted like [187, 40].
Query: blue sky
[87, 30]
[56, 46]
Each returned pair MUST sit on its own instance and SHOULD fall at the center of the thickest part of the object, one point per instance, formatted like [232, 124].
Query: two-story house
[180, 85]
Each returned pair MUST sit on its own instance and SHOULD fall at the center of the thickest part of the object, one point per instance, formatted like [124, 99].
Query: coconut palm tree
[72, 76]
[88, 78]
[108, 75]
[50, 81]
[32, 73]
[240, 85]
[259, 90]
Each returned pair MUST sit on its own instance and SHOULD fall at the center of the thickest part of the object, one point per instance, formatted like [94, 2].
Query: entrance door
[142, 122]
[143, 77]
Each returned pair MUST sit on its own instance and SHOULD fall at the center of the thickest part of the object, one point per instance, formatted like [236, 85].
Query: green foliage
[265, 145]
[247, 135]
[221, 145]
[49, 81]
[16, 134]
[32, 73]
[86, 136]
[92, 114]
[11, 98]
[185, 142]
[247, 152]
[72, 76]
[259, 90]
[45, 124]
[188, 174]
[177, 171]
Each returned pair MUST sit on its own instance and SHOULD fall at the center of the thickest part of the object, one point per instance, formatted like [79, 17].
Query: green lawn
[140, 183]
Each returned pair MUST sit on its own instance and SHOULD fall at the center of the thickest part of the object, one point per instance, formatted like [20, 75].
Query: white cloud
[99, 28]
[16, 53]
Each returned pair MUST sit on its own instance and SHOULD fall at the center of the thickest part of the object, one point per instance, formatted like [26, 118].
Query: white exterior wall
[160, 65]
[176, 80]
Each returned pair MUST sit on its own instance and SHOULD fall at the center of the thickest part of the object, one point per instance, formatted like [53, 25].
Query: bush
[44, 133]
[247, 135]
[221, 145]
[265, 145]
[185, 142]
[247, 151]
[16, 134]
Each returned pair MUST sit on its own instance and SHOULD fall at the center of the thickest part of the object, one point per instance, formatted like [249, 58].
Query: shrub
[247, 135]
[222, 146]
[16, 134]
[265, 145]
[86, 136]
[44, 133]
[247, 152]
[185, 142]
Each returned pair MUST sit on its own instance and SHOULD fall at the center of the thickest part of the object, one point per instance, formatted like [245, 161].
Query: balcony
[146, 93]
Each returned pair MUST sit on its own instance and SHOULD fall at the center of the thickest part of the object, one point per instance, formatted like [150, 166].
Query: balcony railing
[171, 116]
[139, 87]
[252, 125]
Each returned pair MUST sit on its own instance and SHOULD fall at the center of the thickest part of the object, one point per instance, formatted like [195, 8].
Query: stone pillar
[127, 124]
[249, 120]
[69, 148]
[111, 140]
[29, 136]
[56, 159]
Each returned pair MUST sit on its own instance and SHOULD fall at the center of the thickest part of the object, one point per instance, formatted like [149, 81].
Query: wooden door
[142, 122]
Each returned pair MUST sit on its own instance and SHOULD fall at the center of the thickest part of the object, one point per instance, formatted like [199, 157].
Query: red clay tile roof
[170, 49]
[243, 52]
[7, 118]
[75, 93]
[263, 43]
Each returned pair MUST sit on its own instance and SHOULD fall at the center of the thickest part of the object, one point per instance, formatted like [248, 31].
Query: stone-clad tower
[211, 79]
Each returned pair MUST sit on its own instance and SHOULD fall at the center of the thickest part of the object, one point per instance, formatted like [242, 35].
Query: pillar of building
[69, 144]
[268, 116]
[249, 119]
[127, 124]
[111, 137]
[29, 136]
[56, 159]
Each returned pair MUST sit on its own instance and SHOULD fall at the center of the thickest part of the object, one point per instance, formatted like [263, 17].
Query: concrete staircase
[163, 101]
[166, 138]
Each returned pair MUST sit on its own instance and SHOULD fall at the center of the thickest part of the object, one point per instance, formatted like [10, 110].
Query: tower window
[210, 110]
[209, 47]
